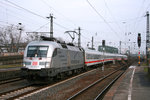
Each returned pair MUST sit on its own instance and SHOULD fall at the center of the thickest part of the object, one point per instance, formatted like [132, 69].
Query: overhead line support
[147, 39]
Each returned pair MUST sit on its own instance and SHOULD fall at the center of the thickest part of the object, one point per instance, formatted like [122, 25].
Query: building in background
[108, 49]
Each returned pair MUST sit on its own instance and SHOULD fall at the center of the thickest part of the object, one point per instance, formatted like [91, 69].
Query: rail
[93, 84]
[10, 80]
[101, 95]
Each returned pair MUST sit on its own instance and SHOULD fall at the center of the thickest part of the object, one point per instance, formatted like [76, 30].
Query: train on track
[49, 58]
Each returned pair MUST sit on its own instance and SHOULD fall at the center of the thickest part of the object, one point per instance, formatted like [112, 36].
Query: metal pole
[92, 42]
[120, 47]
[103, 44]
[139, 57]
[147, 38]
[79, 40]
[103, 59]
[51, 24]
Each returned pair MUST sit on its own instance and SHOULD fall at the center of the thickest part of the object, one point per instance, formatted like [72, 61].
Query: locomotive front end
[36, 57]
[37, 60]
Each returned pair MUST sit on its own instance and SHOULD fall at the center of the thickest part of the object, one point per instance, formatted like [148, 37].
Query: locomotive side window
[55, 53]
[37, 51]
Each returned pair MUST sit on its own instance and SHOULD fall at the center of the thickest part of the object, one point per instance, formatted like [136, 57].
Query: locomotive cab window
[37, 51]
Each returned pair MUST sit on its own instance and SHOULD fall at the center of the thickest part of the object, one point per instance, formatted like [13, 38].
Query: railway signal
[139, 40]
[139, 45]
[103, 44]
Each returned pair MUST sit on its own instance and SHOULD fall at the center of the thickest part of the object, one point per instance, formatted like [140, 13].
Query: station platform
[134, 84]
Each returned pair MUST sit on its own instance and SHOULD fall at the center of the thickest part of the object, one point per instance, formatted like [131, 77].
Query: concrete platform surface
[133, 85]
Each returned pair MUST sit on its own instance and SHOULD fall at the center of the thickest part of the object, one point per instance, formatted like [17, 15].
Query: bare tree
[10, 37]
[33, 36]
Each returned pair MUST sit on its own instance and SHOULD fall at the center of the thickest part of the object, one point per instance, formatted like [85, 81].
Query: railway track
[14, 87]
[28, 91]
[10, 80]
[13, 94]
[96, 90]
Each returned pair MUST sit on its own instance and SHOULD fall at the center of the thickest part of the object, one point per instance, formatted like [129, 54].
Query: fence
[7, 60]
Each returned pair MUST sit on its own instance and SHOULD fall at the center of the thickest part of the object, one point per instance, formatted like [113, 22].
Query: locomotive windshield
[37, 51]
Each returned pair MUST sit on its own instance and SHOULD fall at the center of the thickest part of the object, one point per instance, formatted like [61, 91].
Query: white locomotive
[45, 60]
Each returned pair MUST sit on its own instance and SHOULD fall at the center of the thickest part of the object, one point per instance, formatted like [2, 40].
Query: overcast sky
[104, 19]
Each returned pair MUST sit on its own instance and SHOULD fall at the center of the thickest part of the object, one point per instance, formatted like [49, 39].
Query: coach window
[87, 56]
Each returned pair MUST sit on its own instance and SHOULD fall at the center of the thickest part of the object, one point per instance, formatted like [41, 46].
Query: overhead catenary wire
[103, 18]
[13, 14]
[25, 9]
[147, 7]
[41, 27]
[61, 26]
[34, 13]
[47, 4]
[141, 16]
[113, 16]
[64, 17]
[17, 6]
[10, 12]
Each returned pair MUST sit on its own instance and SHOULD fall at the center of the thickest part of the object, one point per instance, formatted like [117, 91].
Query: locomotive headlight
[47, 64]
[24, 65]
